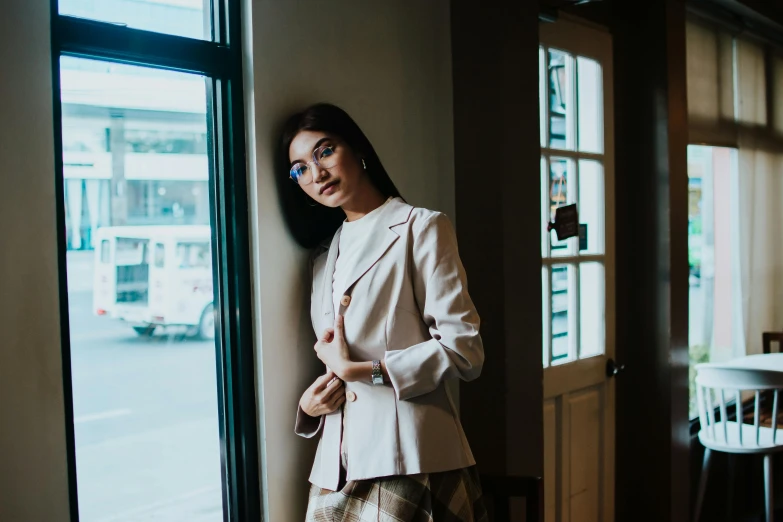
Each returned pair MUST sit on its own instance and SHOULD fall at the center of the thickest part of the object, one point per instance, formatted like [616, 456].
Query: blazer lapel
[327, 304]
[372, 251]
[395, 213]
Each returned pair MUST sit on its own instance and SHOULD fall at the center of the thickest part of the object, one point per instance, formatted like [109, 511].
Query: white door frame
[582, 39]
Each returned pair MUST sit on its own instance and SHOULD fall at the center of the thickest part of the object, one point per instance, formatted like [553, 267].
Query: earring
[310, 201]
[364, 164]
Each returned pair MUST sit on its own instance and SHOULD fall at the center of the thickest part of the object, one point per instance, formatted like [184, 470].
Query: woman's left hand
[332, 348]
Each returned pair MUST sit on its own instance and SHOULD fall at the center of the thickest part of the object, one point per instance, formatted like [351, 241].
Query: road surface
[145, 417]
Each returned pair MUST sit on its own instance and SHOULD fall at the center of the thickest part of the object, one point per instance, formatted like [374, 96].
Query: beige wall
[389, 65]
[33, 471]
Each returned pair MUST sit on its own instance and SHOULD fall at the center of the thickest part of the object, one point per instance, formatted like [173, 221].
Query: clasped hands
[327, 393]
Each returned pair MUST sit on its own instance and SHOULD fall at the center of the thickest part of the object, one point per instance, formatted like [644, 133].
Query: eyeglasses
[325, 156]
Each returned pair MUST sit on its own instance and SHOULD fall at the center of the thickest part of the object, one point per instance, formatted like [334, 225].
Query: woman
[394, 320]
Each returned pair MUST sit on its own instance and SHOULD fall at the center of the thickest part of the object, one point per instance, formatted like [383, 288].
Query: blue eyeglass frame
[295, 178]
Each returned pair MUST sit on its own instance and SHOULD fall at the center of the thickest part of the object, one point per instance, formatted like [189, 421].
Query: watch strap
[377, 373]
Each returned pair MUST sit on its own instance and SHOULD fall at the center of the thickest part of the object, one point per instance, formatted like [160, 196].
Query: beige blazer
[408, 303]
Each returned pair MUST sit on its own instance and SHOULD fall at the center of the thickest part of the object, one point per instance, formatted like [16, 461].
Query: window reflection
[559, 196]
[140, 293]
[189, 18]
[713, 246]
[558, 99]
[561, 274]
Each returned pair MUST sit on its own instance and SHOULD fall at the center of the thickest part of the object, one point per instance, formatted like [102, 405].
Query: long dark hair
[310, 225]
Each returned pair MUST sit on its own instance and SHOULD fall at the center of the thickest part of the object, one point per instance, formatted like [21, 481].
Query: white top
[354, 233]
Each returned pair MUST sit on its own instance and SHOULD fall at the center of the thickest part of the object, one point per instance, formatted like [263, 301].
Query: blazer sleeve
[440, 285]
[306, 426]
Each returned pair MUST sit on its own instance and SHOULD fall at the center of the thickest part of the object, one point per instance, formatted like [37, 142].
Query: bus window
[131, 251]
[194, 255]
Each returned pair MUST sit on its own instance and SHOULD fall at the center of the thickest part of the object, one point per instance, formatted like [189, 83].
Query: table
[764, 361]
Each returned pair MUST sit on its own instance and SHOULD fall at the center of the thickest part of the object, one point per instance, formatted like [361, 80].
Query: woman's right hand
[323, 396]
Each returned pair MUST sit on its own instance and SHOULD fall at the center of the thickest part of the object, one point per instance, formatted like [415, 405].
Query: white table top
[766, 361]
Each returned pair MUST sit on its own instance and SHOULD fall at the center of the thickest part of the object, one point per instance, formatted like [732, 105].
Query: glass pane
[560, 105]
[189, 18]
[559, 176]
[721, 237]
[545, 211]
[545, 302]
[590, 94]
[592, 308]
[139, 266]
[542, 94]
[562, 276]
[591, 205]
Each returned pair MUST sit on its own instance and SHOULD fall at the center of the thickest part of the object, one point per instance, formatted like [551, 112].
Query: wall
[389, 65]
[33, 479]
[495, 62]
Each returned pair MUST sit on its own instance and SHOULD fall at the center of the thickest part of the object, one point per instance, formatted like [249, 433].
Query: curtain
[760, 193]
[757, 241]
[735, 99]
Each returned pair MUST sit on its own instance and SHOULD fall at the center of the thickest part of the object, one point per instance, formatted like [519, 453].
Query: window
[572, 171]
[189, 18]
[165, 142]
[194, 255]
[159, 366]
[131, 251]
[160, 255]
[734, 194]
[712, 240]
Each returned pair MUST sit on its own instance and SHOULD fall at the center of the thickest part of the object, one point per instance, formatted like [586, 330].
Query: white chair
[716, 387]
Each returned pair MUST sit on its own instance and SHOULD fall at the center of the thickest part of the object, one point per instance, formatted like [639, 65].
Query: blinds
[710, 79]
[731, 88]
[751, 83]
[777, 93]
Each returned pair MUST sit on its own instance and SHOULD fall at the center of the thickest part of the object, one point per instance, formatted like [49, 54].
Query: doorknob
[612, 369]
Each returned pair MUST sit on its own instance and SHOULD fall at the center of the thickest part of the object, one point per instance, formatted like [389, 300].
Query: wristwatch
[377, 373]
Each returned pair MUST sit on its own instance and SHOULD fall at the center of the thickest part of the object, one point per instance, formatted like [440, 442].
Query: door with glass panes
[575, 72]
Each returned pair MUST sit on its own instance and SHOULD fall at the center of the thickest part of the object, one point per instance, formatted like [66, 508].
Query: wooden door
[578, 274]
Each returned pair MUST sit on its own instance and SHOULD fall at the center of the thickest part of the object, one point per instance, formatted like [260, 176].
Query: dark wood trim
[101, 40]
[494, 68]
[652, 267]
[501, 489]
[742, 20]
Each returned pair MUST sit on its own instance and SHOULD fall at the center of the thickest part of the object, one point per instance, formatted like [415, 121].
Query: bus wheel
[144, 331]
[206, 326]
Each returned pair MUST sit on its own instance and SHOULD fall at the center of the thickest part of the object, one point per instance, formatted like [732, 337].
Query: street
[145, 416]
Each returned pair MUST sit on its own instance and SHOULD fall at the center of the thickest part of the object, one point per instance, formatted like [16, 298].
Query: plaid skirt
[449, 496]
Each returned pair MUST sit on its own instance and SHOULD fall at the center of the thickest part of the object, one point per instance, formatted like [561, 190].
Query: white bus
[155, 276]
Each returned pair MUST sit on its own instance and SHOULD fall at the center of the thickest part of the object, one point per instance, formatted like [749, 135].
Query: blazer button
[351, 396]
[345, 300]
